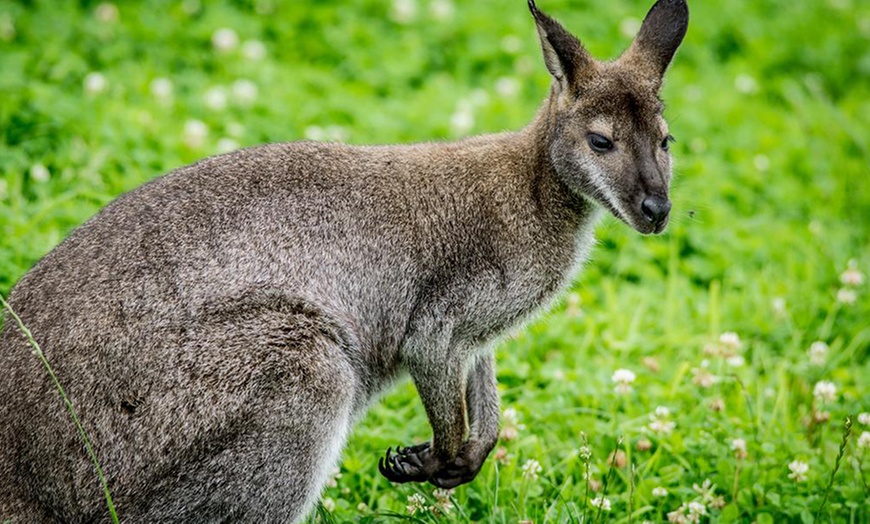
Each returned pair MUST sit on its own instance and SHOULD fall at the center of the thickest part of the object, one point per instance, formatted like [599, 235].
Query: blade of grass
[87, 441]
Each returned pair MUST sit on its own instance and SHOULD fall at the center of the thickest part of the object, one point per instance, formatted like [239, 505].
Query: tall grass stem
[72, 412]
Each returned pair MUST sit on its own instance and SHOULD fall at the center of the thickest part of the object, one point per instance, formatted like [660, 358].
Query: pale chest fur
[526, 284]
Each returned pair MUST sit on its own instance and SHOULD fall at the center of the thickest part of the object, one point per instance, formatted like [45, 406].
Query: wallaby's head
[606, 136]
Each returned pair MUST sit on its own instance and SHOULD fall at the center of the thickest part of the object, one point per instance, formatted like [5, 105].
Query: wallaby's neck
[551, 193]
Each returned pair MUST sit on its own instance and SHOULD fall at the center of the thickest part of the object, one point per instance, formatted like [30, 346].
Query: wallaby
[220, 329]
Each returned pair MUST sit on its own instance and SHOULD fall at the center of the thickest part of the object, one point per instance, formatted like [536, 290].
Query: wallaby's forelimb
[482, 405]
[482, 402]
[448, 461]
[438, 377]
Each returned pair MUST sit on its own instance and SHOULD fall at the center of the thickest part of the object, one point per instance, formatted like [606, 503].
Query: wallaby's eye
[666, 143]
[600, 143]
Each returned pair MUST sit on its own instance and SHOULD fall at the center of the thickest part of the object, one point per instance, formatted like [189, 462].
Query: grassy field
[720, 359]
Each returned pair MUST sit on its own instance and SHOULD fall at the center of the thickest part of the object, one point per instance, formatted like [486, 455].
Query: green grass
[768, 101]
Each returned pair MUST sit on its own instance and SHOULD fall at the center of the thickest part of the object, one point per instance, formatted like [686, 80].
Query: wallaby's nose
[655, 209]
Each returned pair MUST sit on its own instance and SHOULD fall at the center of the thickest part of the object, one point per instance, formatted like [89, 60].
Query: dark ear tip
[678, 7]
[533, 8]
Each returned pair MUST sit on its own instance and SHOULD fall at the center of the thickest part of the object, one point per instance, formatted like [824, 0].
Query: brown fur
[220, 328]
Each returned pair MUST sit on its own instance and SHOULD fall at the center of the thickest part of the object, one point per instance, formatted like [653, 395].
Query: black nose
[655, 209]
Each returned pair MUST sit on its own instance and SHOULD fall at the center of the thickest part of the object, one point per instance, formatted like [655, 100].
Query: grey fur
[220, 328]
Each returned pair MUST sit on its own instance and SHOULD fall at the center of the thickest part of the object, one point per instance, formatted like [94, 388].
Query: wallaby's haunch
[220, 328]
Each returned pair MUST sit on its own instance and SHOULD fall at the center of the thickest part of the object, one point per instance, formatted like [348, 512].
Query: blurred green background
[769, 101]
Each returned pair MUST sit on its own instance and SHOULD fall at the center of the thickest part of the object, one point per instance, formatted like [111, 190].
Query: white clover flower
[315, 133]
[864, 440]
[664, 427]
[442, 494]
[195, 132]
[235, 129]
[624, 376]
[161, 88]
[746, 84]
[629, 27]
[601, 502]
[706, 490]
[697, 509]
[623, 379]
[443, 504]
[531, 469]
[846, 296]
[441, 9]
[244, 92]
[328, 504]
[573, 301]
[507, 86]
[403, 11]
[678, 516]
[702, 377]
[761, 162]
[738, 446]
[736, 361]
[825, 391]
[39, 173]
[224, 39]
[416, 503]
[798, 470]
[225, 145]
[660, 492]
[95, 83]
[215, 98]
[779, 306]
[852, 276]
[462, 120]
[864, 418]
[362, 507]
[333, 478]
[478, 97]
[254, 50]
[818, 353]
[107, 13]
[659, 422]
[511, 44]
[821, 416]
[730, 341]
[511, 426]
[191, 7]
[336, 133]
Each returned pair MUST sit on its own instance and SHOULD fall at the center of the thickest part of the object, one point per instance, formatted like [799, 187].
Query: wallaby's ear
[662, 32]
[564, 55]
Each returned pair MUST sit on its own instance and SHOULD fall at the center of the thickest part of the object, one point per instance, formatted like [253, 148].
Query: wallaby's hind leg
[288, 380]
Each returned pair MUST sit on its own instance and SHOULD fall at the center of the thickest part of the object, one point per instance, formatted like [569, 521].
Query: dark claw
[411, 464]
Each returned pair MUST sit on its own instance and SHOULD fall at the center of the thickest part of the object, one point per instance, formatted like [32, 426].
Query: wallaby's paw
[463, 468]
[413, 464]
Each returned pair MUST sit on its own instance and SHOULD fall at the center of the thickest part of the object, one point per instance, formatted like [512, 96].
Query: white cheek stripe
[598, 179]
